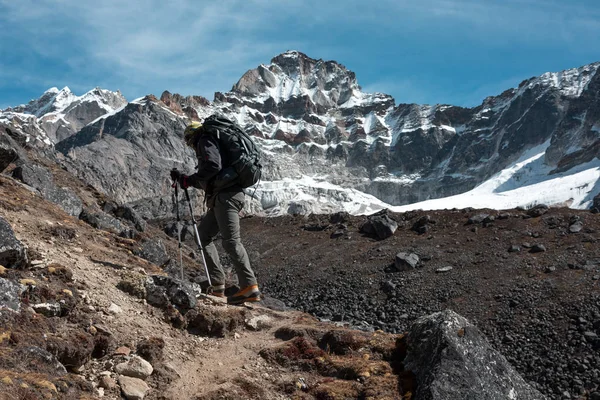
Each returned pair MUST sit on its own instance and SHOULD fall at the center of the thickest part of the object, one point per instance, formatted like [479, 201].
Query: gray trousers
[224, 217]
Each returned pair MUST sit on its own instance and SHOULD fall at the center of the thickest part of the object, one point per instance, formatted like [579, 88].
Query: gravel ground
[530, 279]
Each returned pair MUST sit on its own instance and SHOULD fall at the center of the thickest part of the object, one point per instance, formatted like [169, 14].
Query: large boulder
[163, 290]
[12, 252]
[41, 179]
[451, 359]
[379, 226]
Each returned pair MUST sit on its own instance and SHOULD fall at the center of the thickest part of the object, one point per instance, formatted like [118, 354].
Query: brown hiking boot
[247, 294]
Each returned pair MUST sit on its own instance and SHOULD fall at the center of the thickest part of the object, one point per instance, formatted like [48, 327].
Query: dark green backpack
[237, 147]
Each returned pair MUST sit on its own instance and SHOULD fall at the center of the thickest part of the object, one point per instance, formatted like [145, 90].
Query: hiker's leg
[208, 230]
[227, 208]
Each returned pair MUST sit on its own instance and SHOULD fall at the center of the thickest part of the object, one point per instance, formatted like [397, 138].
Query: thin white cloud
[200, 46]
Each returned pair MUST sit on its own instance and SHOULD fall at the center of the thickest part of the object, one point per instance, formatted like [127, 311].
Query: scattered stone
[538, 210]
[133, 388]
[339, 217]
[47, 309]
[388, 287]
[550, 269]
[477, 219]
[576, 227]
[451, 359]
[2, 270]
[514, 249]
[106, 382]
[537, 248]
[421, 225]
[114, 309]
[444, 269]
[259, 322]
[136, 367]
[12, 251]
[27, 282]
[406, 261]
[338, 233]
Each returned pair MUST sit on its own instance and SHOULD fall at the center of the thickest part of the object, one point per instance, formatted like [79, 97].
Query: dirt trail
[206, 367]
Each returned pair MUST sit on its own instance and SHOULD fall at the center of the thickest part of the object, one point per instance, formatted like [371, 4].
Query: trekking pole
[197, 236]
[175, 186]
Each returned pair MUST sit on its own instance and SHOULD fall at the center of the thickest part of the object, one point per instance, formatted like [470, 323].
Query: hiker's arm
[209, 161]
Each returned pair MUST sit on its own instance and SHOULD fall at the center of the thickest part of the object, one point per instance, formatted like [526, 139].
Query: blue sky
[425, 51]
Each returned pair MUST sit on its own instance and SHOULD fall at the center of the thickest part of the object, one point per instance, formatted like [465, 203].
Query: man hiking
[224, 197]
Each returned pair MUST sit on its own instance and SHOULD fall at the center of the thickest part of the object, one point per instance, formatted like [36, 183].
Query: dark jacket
[212, 168]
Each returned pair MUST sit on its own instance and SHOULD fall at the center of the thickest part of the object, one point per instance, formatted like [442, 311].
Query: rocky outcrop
[128, 155]
[10, 151]
[12, 252]
[41, 179]
[451, 359]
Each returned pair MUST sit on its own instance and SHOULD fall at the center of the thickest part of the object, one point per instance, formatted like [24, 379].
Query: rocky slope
[87, 313]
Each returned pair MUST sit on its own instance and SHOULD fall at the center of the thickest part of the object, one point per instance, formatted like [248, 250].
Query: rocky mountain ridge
[343, 143]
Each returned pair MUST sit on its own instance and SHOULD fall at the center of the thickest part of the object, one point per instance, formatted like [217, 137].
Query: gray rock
[187, 230]
[101, 220]
[12, 252]
[10, 294]
[133, 388]
[39, 359]
[451, 359]
[477, 219]
[163, 290]
[47, 309]
[156, 295]
[154, 251]
[41, 179]
[538, 210]
[10, 151]
[135, 367]
[444, 269]
[537, 248]
[406, 261]
[128, 213]
[514, 249]
[379, 225]
[576, 227]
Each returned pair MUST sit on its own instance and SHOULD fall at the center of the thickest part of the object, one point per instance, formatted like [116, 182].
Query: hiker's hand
[183, 181]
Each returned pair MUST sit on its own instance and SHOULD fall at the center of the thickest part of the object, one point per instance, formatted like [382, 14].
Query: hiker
[225, 199]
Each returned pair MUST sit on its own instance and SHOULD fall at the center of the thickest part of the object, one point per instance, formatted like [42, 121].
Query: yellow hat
[189, 135]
